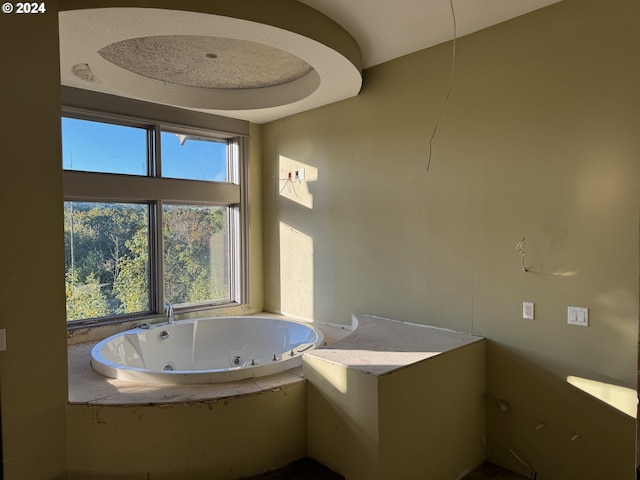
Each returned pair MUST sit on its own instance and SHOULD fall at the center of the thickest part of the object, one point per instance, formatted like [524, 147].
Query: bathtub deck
[380, 346]
[86, 386]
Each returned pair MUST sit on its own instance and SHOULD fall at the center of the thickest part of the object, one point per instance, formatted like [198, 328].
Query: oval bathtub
[211, 350]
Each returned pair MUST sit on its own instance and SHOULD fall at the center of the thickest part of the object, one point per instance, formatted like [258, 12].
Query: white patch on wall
[294, 179]
[296, 273]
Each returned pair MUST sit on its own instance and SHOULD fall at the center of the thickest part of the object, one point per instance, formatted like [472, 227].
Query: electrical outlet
[527, 310]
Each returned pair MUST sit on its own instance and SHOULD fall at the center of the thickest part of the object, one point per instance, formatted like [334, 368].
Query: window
[153, 214]
[194, 254]
[193, 158]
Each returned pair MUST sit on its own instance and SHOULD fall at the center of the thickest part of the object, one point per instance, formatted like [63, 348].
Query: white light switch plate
[3, 339]
[527, 310]
[578, 316]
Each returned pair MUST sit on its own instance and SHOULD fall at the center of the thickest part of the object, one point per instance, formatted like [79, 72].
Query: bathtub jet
[210, 350]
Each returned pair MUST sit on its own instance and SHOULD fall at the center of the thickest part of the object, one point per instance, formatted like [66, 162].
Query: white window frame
[155, 190]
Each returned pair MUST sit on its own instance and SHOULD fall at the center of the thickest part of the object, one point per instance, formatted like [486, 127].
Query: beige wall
[33, 380]
[539, 139]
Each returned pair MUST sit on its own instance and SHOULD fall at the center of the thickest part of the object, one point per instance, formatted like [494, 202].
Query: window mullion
[156, 159]
[155, 261]
[242, 232]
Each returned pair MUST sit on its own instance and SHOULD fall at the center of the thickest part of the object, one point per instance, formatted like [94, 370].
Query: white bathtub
[211, 350]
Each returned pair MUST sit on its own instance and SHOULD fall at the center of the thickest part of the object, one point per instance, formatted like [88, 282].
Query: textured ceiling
[206, 62]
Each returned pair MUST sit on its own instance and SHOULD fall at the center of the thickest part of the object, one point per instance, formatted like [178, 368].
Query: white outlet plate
[578, 316]
[3, 339]
[528, 310]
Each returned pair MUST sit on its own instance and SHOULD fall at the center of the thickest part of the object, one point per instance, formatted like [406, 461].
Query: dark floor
[309, 469]
[491, 472]
[305, 469]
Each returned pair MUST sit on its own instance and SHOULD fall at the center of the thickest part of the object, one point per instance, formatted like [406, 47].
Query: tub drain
[237, 360]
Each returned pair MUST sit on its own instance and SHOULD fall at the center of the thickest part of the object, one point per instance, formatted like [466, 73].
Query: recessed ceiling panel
[206, 62]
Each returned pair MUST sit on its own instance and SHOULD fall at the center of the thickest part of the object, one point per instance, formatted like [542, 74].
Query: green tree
[85, 300]
[97, 239]
[191, 272]
[132, 284]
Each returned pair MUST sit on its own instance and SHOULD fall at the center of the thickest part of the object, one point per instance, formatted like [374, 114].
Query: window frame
[154, 190]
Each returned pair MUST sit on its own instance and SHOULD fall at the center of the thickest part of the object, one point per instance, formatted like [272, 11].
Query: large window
[153, 215]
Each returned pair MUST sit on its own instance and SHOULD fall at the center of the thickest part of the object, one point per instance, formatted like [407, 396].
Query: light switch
[527, 310]
[578, 316]
[3, 339]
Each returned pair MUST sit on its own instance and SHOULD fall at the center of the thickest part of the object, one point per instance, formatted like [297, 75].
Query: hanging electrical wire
[446, 99]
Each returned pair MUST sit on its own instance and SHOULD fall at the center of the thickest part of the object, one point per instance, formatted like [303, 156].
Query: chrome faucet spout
[169, 310]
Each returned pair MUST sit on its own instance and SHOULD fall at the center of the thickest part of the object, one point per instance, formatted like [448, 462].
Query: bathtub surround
[212, 439]
[394, 400]
[209, 436]
[356, 385]
[221, 431]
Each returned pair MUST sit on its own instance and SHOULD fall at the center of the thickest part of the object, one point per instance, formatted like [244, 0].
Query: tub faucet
[169, 309]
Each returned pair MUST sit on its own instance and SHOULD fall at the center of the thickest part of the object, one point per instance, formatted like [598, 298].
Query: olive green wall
[540, 138]
[33, 381]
